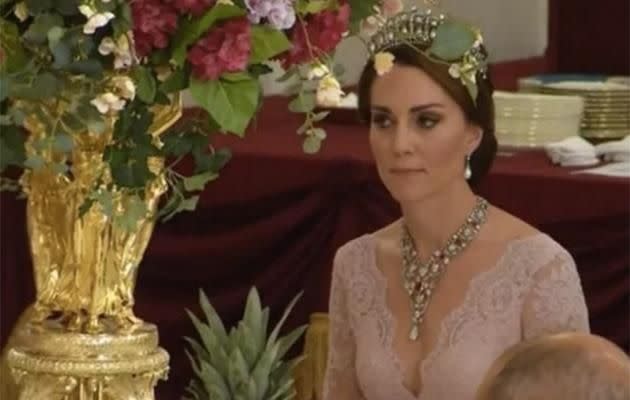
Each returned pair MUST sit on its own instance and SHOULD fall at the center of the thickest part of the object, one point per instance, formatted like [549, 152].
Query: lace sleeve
[340, 381]
[555, 301]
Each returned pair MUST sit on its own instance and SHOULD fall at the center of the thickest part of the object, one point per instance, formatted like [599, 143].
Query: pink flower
[154, 21]
[225, 48]
[325, 30]
[195, 7]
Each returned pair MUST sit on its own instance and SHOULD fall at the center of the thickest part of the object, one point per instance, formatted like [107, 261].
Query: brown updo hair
[481, 114]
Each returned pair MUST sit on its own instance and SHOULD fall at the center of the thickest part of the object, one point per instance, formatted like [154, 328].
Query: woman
[422, 307]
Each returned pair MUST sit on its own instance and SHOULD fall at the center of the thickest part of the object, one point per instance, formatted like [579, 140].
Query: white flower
[97, 21]
[107, 46]
[125, 87]
[21, 11]
[317, 71]
[329, 92]
[121, 48]
[383, 62]
[107, 102]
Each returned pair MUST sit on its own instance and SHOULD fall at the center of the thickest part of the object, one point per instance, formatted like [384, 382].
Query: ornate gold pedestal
[81, 340]
[50, 363]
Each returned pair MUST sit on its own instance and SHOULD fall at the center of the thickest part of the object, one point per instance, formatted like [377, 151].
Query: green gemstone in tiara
[440, 38]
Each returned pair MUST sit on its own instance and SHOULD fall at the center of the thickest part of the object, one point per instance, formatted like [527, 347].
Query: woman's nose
[402, 141]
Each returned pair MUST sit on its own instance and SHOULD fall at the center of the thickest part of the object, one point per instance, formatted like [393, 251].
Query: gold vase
[81, 339]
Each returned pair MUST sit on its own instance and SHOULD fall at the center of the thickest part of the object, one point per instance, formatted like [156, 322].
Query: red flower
[195, 7]
[224, 49]
[325, 30]
[153, 23]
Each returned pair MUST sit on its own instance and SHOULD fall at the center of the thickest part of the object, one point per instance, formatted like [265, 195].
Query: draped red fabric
[276, 216]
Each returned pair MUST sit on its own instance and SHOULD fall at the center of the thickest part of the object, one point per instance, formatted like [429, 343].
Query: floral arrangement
[80, 66]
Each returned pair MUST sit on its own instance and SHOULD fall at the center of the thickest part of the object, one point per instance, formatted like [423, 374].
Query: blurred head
[564, 366]
[424, 124]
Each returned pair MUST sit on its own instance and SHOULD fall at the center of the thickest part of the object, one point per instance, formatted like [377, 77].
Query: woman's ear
[475, 134]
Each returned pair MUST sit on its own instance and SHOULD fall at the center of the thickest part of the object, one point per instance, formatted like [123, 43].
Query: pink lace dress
[533, 289]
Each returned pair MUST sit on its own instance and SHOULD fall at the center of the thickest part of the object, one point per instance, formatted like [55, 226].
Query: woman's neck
[434, 219]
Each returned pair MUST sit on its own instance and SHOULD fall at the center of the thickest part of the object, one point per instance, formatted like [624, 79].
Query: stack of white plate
[606, 107]
[533, 120]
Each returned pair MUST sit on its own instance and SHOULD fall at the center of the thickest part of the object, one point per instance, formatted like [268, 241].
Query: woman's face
[419, 135]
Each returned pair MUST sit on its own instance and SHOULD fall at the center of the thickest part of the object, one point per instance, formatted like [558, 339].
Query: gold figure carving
[82, 340]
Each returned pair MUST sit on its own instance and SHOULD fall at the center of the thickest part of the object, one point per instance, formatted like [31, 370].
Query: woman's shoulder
[529, 246]
[361, 251]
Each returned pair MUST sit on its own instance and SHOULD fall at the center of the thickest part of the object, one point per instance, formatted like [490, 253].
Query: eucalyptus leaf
[62, 54]
[199, 182]
[303, 103]
[267, 42]
[63, 143]
[66, 7]
[191, 30]
[97, 126]
[12, 151]
[134, 210]
[38, 6]
[43, 23]
[311, 145]
[106, 201]
[91, 67]
[54, 35]
[34, 162]
[60, 168]
[452, 40]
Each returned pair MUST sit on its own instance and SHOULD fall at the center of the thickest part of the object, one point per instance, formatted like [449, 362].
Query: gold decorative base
[50, 363]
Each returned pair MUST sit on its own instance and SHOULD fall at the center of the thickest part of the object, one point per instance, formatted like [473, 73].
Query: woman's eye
[381, 121]
[427, 122]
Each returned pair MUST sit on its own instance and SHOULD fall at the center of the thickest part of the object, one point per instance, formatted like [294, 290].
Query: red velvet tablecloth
[276, 216]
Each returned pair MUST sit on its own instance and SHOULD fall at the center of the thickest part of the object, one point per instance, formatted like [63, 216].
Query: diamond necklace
[420, 278]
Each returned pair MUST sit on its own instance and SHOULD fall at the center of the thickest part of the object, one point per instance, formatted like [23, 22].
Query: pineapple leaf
[216, 353]
[214, 383]
[249, 348]
[213, 318]
[262, 370]
[285, 343]
[276, 330]
[254, 319]
[265, 322]
[238, 373]
[198, 349]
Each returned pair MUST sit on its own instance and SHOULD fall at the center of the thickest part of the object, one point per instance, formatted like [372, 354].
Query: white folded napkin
[572, 152]
[616, 151]
[616, 169]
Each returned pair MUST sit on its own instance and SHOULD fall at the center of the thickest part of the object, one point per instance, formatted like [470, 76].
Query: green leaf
[106, 201]
[311, 145]
[320, 116]
[134, 210]
[66, 7]
[231, 104]
[360, 10]
[60, 168]
[177, 81]
[12, 151]
[38, 6]
[303, 103]
[97, 126]
[34, 162]
[54, 35]
[288, 74]
[46, 85]
[314, 6]
[267, 42]
[286, 342]
[198, 182]
[238, 373]
[452, 40]
[63, 143]
[91, 67]
[192, 30]
[43, 23]
[63, 55]
[213, 318]
[146, 86]
[10, 43]
[276, 331]
[236, 76]
[258, 70]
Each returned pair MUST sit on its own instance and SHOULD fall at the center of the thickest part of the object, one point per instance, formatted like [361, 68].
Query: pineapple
[244, 364]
